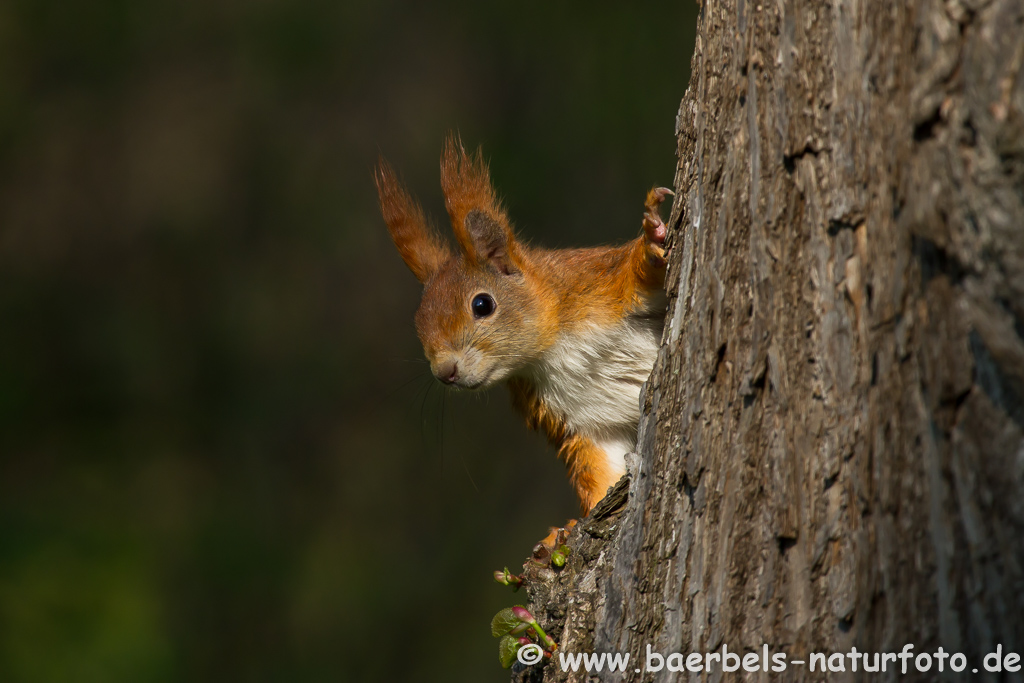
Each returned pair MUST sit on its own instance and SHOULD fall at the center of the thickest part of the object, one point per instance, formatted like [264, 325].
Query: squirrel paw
[654, 227]
[552, 550]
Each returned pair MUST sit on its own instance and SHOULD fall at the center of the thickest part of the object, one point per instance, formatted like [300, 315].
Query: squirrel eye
[483, 305]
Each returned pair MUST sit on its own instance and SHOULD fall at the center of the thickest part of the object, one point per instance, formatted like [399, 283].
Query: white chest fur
[593, 379]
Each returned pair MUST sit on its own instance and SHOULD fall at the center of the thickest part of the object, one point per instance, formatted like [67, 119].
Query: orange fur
[419, 246]
[599, 284]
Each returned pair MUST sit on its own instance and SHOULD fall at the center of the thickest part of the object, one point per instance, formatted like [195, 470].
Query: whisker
[401, 386]
[469, 476]
[423, 417]
[440, 430]
[462, 459]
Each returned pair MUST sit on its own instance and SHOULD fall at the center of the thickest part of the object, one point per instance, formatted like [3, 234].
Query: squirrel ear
[492, 242]
[420, 247]
[481, 227]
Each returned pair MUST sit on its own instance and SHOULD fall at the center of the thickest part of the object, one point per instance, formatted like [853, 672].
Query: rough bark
[833, 453]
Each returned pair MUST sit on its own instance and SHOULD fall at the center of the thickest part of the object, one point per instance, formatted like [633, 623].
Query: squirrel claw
[658, 194]
[655, 228]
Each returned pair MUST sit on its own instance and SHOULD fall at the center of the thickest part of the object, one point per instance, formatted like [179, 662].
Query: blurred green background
[222, 457]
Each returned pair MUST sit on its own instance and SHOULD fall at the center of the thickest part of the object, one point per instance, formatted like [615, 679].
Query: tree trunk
[833, 454]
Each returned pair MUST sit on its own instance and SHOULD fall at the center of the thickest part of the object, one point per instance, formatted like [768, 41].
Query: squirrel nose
[448, 372]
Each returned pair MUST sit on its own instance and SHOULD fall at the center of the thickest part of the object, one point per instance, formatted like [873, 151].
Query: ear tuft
[419, 246]
[466, 182]
[481, 226]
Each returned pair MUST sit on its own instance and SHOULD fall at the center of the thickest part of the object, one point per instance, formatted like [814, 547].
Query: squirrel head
[480, 317]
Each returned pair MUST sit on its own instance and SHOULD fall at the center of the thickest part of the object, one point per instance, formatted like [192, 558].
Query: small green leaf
[507, 578]
[507, 649]
[503, 622]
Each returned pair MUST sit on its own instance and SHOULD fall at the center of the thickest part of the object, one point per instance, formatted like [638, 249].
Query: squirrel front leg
[647, 255]
[590, 472]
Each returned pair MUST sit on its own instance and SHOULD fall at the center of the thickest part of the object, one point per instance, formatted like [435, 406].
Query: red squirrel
[573, 332]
